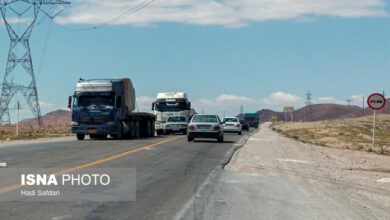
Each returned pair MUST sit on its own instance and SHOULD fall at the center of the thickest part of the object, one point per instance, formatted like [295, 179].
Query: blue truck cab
[102, 107]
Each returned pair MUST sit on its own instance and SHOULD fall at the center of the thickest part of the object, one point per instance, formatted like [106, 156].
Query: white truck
[170, 104]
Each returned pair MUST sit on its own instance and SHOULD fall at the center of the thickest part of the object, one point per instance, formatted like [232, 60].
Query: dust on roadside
[30, 132]
[351, 133]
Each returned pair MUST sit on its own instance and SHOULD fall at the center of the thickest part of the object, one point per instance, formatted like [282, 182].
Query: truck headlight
[111, 123]
[74, 123]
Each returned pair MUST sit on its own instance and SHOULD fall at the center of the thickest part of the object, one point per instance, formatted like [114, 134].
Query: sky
[223, 53]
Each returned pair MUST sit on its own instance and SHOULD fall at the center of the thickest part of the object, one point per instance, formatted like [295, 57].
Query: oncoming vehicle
[205, 126]
[170, 104]
[232, 124]
[102, 107]
[176, 124]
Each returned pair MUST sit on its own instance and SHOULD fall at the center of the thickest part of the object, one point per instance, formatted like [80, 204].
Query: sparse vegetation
[7, 132]
[353, 133]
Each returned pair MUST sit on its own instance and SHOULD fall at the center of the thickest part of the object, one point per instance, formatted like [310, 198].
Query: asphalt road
[169, 173]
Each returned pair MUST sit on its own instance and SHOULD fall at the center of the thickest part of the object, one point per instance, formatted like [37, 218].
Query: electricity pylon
[20, 52]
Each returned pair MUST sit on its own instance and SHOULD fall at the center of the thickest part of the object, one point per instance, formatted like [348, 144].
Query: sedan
[205, 126]
[232, 124]
[176, 124]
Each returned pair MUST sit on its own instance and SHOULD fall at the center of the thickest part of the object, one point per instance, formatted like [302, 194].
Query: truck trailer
[102, 107]
[253, 119]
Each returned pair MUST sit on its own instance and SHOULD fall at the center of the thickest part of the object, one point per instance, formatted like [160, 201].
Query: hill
[319, 112]
[58, 117]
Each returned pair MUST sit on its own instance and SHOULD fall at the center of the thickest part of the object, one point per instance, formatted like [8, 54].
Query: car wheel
[190, 138]
[220, 139]
[160, 132]
[80, 137]
[240, 133]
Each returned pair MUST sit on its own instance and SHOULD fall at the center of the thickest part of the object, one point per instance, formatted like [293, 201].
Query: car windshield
[177, 119]
[205, 118]
[230, 120]
[171, 106]
[93, 102]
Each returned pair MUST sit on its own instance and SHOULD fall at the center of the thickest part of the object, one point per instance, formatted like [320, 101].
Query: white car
[205, 126]
[232, 124]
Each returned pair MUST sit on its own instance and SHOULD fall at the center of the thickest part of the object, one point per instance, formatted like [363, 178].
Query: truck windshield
[171, 106]
[93, 102]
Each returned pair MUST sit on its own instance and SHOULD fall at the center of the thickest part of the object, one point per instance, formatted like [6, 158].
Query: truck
[253, 119]
[102, 107]
[170, 104]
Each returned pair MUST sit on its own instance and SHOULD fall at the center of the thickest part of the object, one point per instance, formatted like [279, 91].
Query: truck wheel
[148, 129]
[80, 137]
[132, 130]
[153, 129]
[137, 130]
[119, 135]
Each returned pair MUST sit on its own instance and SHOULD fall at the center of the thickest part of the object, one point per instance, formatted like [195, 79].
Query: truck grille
[93, 118]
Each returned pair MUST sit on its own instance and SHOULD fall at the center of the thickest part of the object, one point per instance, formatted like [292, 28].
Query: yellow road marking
[10, 188]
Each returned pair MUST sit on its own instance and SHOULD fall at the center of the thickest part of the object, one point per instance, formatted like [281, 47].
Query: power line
[114, 20]
[22, 58]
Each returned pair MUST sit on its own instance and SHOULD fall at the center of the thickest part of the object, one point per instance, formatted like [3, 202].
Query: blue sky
[236, 52]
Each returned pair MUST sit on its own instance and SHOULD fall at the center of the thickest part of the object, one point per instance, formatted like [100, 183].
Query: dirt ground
[354, 133]
[351, 184]
[27, 132]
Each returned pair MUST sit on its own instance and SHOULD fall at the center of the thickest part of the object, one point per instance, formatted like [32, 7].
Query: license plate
[92, 132]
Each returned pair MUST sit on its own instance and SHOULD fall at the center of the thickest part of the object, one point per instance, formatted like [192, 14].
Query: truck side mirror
[118, 101]
[70, 102]
[189, 106]
[153, 106]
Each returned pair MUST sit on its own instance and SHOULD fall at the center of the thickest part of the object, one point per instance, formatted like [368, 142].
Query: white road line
[384, 180]
[294, 161]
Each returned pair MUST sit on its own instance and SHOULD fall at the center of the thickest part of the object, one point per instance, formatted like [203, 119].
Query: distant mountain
[58, 117]
[319, 112]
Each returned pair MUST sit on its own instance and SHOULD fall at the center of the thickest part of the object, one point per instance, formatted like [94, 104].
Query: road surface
[169, 172]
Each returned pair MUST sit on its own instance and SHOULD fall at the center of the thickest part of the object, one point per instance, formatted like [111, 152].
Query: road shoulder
[273, 177]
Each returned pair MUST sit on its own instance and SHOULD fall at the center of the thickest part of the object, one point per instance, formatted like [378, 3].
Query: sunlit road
[169, 172]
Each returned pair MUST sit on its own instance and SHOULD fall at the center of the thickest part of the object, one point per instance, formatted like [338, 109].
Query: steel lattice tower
[20, 54]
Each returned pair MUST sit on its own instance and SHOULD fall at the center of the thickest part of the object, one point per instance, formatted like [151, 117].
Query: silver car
[205, 126]
[232, 124]
[176, 124]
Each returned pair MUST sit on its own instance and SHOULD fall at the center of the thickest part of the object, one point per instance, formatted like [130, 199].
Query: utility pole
[20, 53]
[308, 103]
[224, 113]
[242, 111]
[363, 105]
[384, 95]
[349, 107]
[17, 117]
